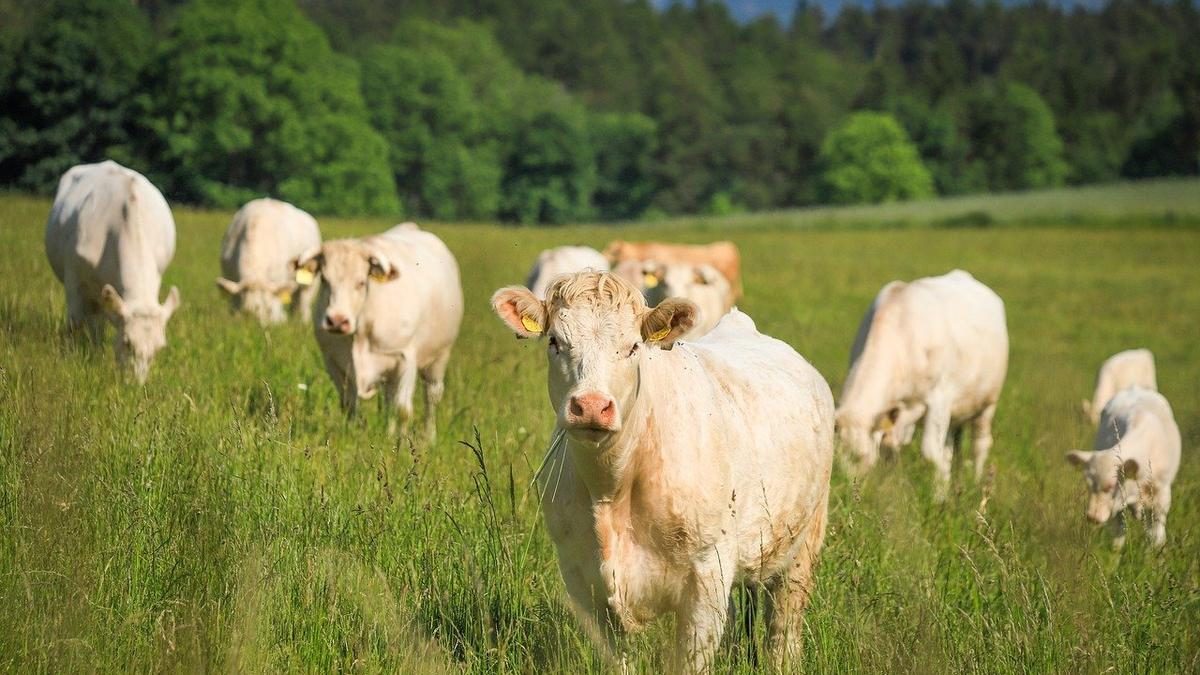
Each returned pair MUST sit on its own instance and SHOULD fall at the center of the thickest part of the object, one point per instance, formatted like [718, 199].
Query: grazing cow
[258, 255]
[722, 255]
[389, 307]
[1130, 368]
[554, 262]
[676, 470]
[702, 284]
[109, 238]
[935, 348]
[1134, 462]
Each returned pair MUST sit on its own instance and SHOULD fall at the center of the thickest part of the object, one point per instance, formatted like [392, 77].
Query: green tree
[625, 144]
[65, 90]
[869, 158]
[1012, 136]
[247, 99]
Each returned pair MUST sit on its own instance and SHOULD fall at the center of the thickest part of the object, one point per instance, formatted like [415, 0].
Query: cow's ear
[382, 270]
[230, 287]
[307, 265]
[1131, 469]
[1079, 457]
[111, 300]
[670, 319]
[521, 310]
[171, 303]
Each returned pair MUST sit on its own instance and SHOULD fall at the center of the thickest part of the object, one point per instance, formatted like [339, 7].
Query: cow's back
[750, 405]
[1142, 422]
[263, 237]
[110, 225]
[425, 302]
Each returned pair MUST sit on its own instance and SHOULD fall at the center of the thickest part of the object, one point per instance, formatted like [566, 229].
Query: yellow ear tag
[886, 424]
[378, 276]
[649, 280]
[304, 277]
[660, 334]
[531, 325]
[285, 296]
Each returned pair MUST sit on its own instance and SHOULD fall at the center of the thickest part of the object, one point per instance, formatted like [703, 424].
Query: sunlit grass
[226, 517]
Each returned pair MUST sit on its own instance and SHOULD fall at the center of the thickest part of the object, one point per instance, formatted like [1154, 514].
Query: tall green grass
[227, 517]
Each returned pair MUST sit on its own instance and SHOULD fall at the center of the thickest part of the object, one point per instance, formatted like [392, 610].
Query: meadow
[227, 517]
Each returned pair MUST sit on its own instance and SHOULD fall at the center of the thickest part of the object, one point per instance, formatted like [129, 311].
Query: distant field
[1163, 202]
[227, 518]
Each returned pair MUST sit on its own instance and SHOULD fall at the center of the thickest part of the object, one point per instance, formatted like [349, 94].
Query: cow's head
[348, 268]
[1105, 474]
[141, 328]
[264, 300]
[859, 438]
[596, 327]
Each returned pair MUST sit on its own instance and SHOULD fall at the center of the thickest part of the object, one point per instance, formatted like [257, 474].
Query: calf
[676, 470]
[109, 238]
[1133, 463]
[389, 308]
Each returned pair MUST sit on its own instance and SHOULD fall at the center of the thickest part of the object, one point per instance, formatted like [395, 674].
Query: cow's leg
[935, 447]
[434, 378]
[700, 621]
[788, 597]
[981, 438]
[343, 383]
[401, 396]
[1116, 525]
[1161, 504]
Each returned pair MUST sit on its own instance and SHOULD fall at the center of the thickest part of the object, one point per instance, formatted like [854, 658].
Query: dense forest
[565, 110]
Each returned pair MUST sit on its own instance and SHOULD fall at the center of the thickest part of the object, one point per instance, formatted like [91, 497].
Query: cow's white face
[141, 330]
[860, 440]
[1104, 473]
[347, 268]
[266, 302]
[597, 328]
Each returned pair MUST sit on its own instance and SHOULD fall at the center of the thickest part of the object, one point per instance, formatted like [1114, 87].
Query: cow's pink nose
[336, 323]
[592, 410]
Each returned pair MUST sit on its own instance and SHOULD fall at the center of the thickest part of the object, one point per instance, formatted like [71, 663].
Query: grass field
[226, 517]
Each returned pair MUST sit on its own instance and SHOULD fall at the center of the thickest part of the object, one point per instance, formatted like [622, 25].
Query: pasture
[227, 517]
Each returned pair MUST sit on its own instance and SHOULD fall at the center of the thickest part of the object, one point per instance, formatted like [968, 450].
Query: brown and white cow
[702, 284]
[258, 255]
[722, 255]
[676, 470]
[389, 308]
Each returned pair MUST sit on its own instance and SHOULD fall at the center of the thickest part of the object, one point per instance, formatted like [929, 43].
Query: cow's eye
[552, 344]
[634, 349]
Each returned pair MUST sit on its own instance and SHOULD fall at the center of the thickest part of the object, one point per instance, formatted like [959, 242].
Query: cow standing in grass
[935, 348]
[258, 256]
[109, 239]
[1134, 462]
[677, 469]
[389, 308]
[1130, 368]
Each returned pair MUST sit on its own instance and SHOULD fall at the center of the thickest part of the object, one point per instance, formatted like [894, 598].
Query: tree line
[565, 110]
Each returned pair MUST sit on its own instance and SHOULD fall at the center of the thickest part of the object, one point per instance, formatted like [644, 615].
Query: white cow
[1134, 462]
[676, 472]
[109, 238]
[389, 308]
[702, 284]
[258, 256]
[1130, 368]
[554, 262]
[935, 348]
